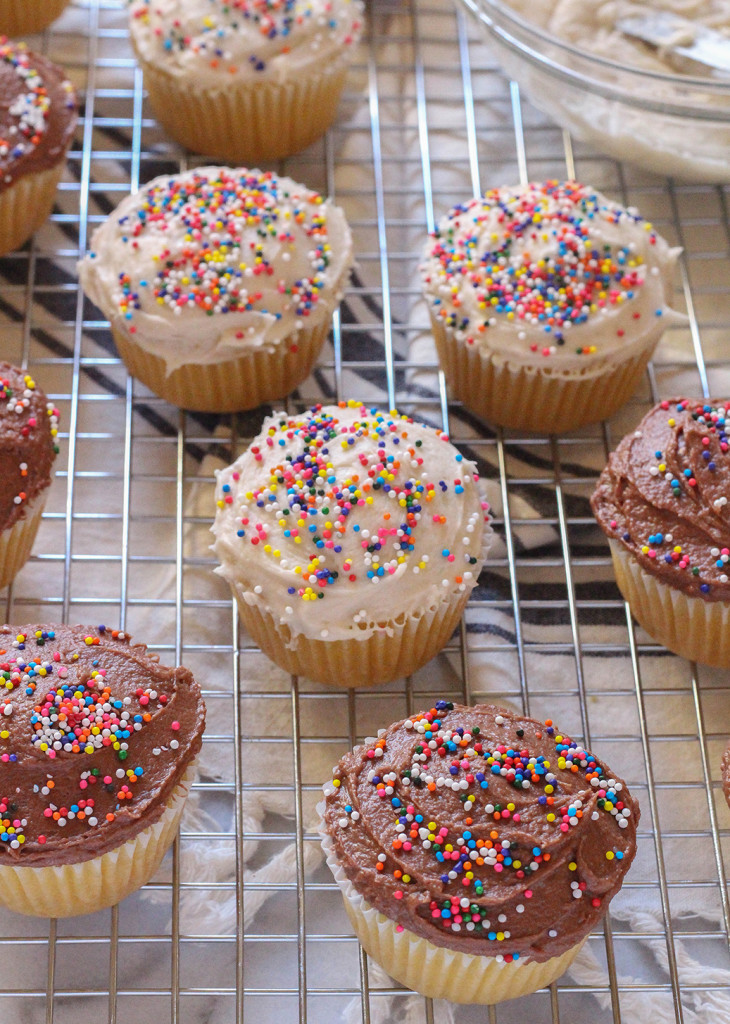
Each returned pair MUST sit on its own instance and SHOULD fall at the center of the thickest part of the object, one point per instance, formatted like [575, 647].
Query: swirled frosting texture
[95, 735]
[28, 436]
[220, 42]
[664, 496]
[204, 266]
[482, 831]
[37, 112]
[344, 519]
[550, 274]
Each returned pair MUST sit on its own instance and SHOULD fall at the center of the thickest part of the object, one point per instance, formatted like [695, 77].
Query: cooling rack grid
[243, 921]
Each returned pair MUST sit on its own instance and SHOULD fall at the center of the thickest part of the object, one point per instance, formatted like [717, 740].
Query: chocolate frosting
[663, 495]
[482, 831]
[38, 112]
[28, 429]
[95, 735]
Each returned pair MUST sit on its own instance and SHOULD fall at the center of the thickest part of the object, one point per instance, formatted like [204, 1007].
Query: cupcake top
[96, 735]
[37, 112]
[548, 274]
[218, 42]
[343, 519]
[663, 495]
[28, 433]
[204, 266]
[482, 831]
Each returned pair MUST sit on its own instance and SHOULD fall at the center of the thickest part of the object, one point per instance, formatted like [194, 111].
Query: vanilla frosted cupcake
[220, 284]
[547, 301]
[662, 501]
[245, 81]
[351, 539]
[476, 849]
[28, 448]
[97, 748]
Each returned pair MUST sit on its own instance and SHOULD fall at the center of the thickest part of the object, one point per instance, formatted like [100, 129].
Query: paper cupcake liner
[434, 970]
[91, 885]
[689, 626]
[17, 542]
[233, 385]
[533, 399]
[247, 123]
[396, 650]
[26, 205]
[22, 17]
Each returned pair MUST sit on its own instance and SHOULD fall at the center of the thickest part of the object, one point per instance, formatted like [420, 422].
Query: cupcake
[220, 284]
[245, 82]
[476, 849]
[351, 539]
[662, 503]
[28, 435]
[23, 17]
[546, 301]
[37, 121]
[97, 752]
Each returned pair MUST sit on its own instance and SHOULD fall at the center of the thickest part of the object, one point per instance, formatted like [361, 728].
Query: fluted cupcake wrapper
[22, 17]
[258, 376]
[434, 970]
[17, 542]
[536, 399]
[27, 204]
[689, 626]
[248, 122]
[85, 887]
[395, 650]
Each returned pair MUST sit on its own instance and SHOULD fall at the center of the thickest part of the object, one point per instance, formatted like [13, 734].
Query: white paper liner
[434, 970]
[17, 542]
[27, 204]
[248, 122]
[91, 885]
[535, 398]
[689, 626]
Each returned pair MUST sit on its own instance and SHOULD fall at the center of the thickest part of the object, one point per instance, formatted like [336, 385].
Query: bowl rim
[495, 15]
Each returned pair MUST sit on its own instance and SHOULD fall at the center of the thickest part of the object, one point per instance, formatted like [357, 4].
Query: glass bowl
[671, 124]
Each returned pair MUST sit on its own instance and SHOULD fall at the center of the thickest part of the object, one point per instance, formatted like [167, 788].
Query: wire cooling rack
[243, 921]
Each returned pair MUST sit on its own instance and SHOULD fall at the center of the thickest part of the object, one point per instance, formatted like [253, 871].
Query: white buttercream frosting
[218, 42]
[549, 274]
[343, 520]
[202, 267]
[590, 25]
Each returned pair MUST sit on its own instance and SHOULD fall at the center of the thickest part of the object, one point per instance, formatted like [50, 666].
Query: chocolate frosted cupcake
[351, 539]
[96, 759]
[546, 301]
[662, 501]
[476, 849]
[28, 435]
[37, 121]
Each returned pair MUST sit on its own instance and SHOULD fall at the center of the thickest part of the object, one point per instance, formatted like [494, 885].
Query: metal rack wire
[243, 921]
